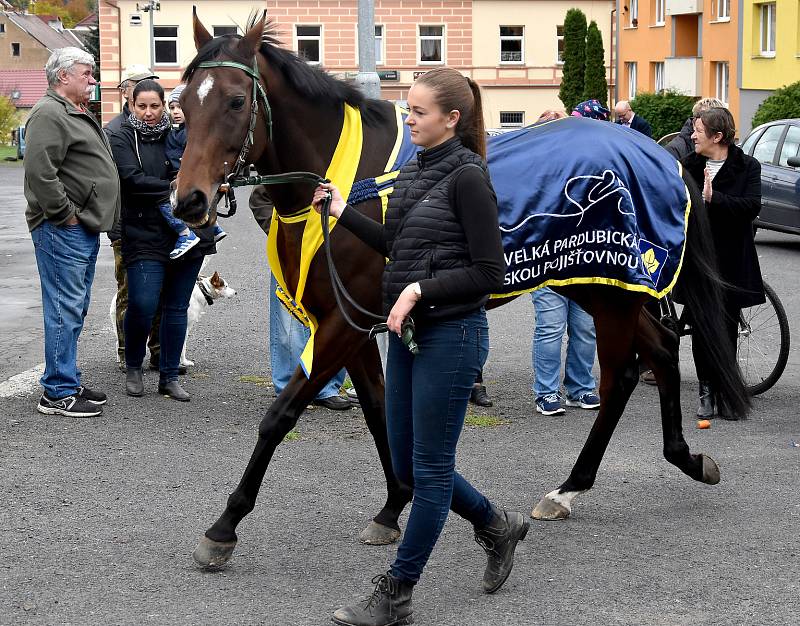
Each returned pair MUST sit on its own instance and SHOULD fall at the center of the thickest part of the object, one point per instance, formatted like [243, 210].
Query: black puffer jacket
[145, 174]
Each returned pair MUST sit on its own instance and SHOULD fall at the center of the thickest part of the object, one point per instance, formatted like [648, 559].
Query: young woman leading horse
[249, 100]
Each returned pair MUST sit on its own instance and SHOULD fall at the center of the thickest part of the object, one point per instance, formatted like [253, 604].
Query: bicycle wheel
[763, 346]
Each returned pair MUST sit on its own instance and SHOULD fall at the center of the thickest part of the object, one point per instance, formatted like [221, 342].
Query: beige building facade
[511, 47]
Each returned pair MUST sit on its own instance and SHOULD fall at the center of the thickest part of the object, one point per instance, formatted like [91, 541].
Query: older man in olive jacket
[72, 190]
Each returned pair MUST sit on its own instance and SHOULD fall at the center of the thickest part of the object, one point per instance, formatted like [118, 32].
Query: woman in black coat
[147, 239]
[731, 184]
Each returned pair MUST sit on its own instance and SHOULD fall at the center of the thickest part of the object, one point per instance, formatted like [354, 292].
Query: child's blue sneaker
[219, 234]
[184, 244]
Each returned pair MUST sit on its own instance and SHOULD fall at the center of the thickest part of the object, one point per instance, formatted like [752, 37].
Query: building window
[723, 9]
[560, 45]
[658, 77]
[723, 77]
[165, 41]
[512, 44]
[221, 31]
[658, 12]
[631, 67]
[634, 13]
[15, 49]
[512, 119]
[379, 44]
[309, 43]
[2, 28]
[431, 44]
[768, 29]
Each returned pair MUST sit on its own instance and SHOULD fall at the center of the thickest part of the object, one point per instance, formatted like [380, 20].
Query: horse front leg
[659, 349]
[333, 345]
[367, 375]
[615, 329]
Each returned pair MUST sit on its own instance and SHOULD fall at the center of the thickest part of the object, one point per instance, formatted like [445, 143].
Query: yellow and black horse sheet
[587, 202]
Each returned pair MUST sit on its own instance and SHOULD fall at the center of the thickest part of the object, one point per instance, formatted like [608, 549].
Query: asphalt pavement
[100, 516]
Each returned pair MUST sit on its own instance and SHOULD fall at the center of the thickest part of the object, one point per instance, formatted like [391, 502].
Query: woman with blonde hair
[442, 239]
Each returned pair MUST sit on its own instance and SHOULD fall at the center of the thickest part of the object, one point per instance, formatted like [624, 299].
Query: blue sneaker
[549, 405]
[588, 400]
[184, 244]
[219, 234]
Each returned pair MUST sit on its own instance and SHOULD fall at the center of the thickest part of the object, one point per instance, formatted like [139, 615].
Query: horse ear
[251, 42]
[201, 35]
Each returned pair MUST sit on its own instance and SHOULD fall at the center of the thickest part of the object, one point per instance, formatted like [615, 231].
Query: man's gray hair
[64, 59]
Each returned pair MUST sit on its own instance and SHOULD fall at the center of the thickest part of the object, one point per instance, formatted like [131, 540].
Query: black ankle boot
[705, 409]
[174, 390]
[499, 538]
[134, 386]
[479, 396]
[389, 605]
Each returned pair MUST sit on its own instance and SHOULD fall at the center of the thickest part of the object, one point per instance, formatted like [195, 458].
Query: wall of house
[33, 55]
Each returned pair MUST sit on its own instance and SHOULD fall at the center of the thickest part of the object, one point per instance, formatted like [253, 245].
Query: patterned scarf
[150, 131]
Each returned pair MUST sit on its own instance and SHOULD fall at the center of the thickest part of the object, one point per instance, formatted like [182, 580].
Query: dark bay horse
[296, 127]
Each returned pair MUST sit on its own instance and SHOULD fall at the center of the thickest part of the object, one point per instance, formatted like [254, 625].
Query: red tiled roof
[31, 85]
[90, 20]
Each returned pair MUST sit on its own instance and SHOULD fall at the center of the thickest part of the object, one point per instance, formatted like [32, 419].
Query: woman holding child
[162, 256]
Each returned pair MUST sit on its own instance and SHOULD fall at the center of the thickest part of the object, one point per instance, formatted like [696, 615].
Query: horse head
[220, 118]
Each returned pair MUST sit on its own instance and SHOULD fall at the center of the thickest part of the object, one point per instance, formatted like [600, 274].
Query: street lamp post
[367, 79]
[150, 7]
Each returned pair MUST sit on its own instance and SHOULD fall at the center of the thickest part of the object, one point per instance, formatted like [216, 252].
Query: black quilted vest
[424, 238]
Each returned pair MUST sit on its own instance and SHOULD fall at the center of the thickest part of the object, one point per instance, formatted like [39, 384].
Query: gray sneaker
[71, 406]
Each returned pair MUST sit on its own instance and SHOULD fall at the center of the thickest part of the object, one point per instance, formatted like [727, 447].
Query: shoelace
[383, 585]
[553, 397]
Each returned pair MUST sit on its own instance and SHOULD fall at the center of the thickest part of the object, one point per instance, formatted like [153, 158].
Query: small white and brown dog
[207, 289]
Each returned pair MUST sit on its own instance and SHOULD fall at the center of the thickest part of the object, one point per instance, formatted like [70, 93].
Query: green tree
[783, 103]
[9, 119]
[571, 91]
[594, 78]
[666, 111]
[92, 44]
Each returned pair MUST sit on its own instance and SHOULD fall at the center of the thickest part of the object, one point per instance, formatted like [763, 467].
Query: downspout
[614, 41]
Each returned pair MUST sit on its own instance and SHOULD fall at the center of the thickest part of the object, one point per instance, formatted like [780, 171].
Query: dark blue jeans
[147, 280]
[426, 400]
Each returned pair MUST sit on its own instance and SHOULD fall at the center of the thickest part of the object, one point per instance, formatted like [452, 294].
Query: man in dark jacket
[627, 117]
[72, 189]
[131, 76]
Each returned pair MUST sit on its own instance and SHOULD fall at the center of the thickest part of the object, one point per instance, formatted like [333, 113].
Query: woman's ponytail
[473, 134]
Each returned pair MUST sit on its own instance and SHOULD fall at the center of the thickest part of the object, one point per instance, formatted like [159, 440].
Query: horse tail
[701, 290]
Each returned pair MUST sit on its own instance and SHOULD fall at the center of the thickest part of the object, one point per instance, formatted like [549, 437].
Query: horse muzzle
[192, 209]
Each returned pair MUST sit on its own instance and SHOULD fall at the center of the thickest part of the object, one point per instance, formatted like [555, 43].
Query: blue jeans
[287, 338]
[426, 400]
[66, 257]
[554, 314]
[174, 223]
[147, 280]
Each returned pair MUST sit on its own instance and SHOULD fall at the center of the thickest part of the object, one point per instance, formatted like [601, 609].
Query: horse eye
[237, 103]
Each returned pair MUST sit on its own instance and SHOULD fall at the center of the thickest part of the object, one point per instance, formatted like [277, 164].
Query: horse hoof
[710, 470]
[378, 535]
[213, 555]
[549, 510]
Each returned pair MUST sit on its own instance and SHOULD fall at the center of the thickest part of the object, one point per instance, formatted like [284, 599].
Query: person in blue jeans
[72, 193]
[147, 240]
[442, 239]
[554, 315]
[287, 338]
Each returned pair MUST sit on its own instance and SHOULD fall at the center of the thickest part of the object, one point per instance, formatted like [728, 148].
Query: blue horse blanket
[582, 201]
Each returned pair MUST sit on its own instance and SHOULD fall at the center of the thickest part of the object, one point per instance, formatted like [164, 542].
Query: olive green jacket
[69, 169]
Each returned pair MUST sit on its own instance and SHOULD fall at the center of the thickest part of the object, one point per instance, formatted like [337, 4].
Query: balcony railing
[684, 74]
[684, 7]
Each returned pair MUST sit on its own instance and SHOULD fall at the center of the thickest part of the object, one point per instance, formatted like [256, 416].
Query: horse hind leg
[659, 349]
[367, 375]
[619, 375]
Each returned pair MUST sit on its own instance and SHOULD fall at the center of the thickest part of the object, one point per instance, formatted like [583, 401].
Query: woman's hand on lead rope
[337, 202]
[402, 307]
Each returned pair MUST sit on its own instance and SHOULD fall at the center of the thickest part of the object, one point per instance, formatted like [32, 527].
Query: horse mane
[309, 81]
